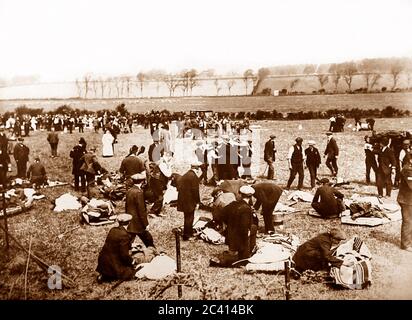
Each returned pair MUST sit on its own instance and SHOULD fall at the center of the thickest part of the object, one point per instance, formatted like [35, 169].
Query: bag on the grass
[358, 275]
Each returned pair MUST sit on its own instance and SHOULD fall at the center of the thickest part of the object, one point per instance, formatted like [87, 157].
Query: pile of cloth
[111, 187]
[66, 201]
[98, 212]
[202, 227]
[356, 271]
[19, 200]
[159, 267]
[300, 196]
[370, 211]
[272, 252]
[280, 207]
[170, 194]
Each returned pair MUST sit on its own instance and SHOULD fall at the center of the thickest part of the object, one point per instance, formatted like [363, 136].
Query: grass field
[76, 253]
[230, 104]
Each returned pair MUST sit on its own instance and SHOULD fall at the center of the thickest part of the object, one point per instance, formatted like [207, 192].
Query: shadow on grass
[385, 237]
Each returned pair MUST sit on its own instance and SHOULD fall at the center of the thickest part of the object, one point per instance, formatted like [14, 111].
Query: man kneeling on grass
[115, 261]
[316, 253]
[327, 201]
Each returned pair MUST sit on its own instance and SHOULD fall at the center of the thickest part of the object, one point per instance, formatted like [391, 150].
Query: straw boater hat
[311, 142]
[195, 164]
[165, 169]
[328, 133]
[138, 177]
[272, 136]
[247, 190]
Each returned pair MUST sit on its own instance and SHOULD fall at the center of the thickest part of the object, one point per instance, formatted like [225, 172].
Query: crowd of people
[237, 196]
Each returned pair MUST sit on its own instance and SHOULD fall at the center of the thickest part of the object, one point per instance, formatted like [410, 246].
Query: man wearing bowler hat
[331, 154]
[296, 157]
[270, 156]
[313, 161]
[21, 156]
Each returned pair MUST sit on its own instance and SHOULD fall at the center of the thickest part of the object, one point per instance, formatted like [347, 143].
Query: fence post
[287, 280]
[178, 260]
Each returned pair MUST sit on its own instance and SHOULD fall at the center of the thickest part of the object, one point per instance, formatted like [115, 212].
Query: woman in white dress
[107, 141]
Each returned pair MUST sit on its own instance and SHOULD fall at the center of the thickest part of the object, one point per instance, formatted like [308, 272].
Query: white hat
[165, 169]
[139, 176]
[124, 217]
[247, 190]
[311, 142]
[196, 164]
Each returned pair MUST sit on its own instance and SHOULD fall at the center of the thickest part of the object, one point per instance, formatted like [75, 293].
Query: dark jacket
[326, 196]
[36, 170]
[114, 259]
[21, 152]
[312, 157]
[315, 254]
[131, 165]
[188, 192]
[267, 195]
[53, 137]
[232, 186]
[155, 152]
[405, 186]
[332, 149]
[386, 161]
[136, 207]
[269, 152]
[238, 218]
[76, 154]
[90, 163]
[4, 156]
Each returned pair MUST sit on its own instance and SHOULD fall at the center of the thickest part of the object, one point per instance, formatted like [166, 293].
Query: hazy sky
[62, 39]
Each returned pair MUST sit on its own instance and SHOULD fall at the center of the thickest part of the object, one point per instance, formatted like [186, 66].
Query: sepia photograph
[186, 151]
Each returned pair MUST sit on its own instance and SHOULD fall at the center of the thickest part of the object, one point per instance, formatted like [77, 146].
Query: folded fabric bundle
[160, 267]
[98, 212]
[66, 202]
[301, 195]
[170, 195]
[280, 207]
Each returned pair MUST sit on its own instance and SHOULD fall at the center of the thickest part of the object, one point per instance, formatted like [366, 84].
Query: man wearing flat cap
[132, 164]
[188, 198]
[136, 207]
[241, 224]
[313, 161]
[115, 261]
[37, 173]
[316, 253]
[77, 154]
[327, 201]
[296, 158]
[21, 156]
[405, 201]
[270, 156]
[331, 153]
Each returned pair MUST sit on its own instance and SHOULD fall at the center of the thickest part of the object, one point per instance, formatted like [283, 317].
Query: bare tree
[248, 74]
[230, 83]
[323, 79]
[263, 73]
[369, 69]
[336, 72]
[309, 69]
[395, 70]
[86, 83]
[118, 83]
[192, 79]
[171, 82]
[217, 85]
[79, 86]
[127, 84]
[95, 85]
[102, 84]
[141, 81]
[109, 83]
[349, 70]
[293, 84]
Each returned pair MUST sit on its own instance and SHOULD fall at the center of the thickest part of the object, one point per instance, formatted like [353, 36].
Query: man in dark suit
[405, 201]
[313, 161]
[156, 151]
[370, 159]
[4, 157]
[241, 224]
[53, 140]
[77, 154]
[37, 173]
[316, 253]
[188, 197]
[327, 200]
[115, 261]
[270, 155]
[386, 163]
[158, 185]
[296, 158]
[267, 195]
[331, 154]
[136, 207]
[132, 164]
[21, 156]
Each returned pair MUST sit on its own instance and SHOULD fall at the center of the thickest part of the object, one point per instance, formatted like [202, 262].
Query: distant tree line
[387, 112]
